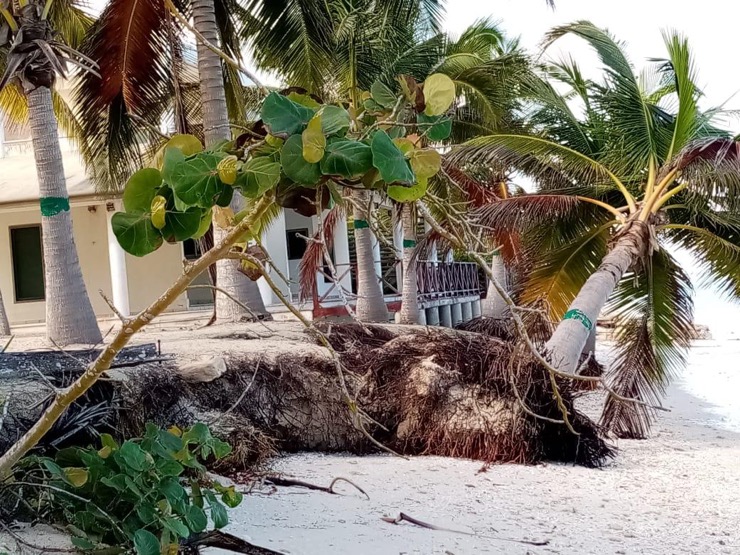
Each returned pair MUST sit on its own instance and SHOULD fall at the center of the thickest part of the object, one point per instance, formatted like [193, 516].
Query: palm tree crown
[630, 167]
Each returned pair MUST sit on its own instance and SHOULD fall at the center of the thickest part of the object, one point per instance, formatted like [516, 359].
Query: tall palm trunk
[370, 302]
[69, 313]
[216, 128]
[4, 324]
[493, 306]
[410, 288]
[569, 339]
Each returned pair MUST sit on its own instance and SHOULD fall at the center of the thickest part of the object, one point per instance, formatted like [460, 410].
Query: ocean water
[713, 376]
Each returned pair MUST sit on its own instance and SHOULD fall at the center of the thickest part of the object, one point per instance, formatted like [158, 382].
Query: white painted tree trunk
[216, 128]
[370, 302]
[410, 288]
[69, 313]
[494, 306]
[4, 324]
[571, 335]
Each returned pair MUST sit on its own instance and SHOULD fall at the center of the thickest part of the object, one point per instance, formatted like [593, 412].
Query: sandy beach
[678, 492]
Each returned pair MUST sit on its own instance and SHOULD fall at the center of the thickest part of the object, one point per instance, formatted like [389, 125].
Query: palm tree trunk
[494, 306]
[370, 302]
[69, 313]
[410, 289]
[216, 128]
[4, 324]
[569, 339]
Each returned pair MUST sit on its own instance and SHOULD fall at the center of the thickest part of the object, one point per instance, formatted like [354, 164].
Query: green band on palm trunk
[409, 243]
[579, 315]
[361, 224]
[51, 206]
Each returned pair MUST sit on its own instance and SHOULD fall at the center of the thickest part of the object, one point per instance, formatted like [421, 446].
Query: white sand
[678, 492]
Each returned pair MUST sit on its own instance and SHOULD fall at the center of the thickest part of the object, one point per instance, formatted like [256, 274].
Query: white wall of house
[146, 278]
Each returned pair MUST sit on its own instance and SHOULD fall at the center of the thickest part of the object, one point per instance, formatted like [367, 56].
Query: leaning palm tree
[635, 171]
[32, 62]
[146, 76]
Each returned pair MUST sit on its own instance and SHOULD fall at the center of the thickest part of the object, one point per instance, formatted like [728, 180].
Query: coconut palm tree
[631, 172]
[145, 76]
[4, 324]
[34, 59]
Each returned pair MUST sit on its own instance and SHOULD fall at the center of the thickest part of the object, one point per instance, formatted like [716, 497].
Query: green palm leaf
[653, 313]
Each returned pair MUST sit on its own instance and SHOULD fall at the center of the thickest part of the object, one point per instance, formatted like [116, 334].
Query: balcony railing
[447, 280]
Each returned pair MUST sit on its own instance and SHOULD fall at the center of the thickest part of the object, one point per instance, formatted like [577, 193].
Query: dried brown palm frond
[313, 259]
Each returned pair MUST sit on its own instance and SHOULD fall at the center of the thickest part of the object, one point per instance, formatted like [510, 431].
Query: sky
[711, 27]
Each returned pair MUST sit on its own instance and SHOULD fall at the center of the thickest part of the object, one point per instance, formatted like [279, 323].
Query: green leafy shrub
[298, 147]
[134, 495]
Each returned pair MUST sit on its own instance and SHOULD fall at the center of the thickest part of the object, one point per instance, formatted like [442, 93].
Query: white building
[132, 285]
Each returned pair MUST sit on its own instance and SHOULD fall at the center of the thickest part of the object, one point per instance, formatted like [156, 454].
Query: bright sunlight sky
[711, 28]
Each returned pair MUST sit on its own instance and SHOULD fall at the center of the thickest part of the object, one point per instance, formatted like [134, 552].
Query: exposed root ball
[453, 394]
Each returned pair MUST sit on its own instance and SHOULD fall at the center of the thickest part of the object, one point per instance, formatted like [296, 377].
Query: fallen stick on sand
[288, 482]
[403, 516]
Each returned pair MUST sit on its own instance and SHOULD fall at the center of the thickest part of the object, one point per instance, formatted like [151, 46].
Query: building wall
[147, 277]
[151, 275]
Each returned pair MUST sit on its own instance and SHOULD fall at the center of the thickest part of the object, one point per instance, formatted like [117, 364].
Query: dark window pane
[296, 244]
[28, 263]
[191, 249]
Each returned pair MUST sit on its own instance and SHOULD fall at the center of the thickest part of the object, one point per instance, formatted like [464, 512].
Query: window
[191, 249]
[296, 244]
[28, 263]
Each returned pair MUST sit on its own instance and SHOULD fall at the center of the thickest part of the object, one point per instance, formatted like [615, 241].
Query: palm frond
[129, 42]
[537, 157]
[561, 258]
[525, 212]
[639, 126]
[680, 67]
[313, 259]
[653, 313]
[716, 252]
[71, 21]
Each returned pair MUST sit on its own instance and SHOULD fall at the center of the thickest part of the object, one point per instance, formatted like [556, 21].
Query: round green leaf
[304, 100]
[258, 176]
[437, 128]
[314, 141]
[404, 145]
[158, 208]
[205, 224]
[187, 144]
[195, 180]
[140, 190]
[334, 121]
[401, 193]
[225, 196]
[146, 543]
[347, 158]
[389, 160]
[182, 225]
[135, 233]
[439, 94]
[425, 163]
[295, 166]
[282, 116]
[227, 169]
[196, 519]
[76, 477]
[383, 95]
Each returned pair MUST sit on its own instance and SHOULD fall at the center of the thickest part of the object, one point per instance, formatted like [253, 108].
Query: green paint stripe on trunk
[579, 315]
[51, 206]
[361, 224]
[409, 243]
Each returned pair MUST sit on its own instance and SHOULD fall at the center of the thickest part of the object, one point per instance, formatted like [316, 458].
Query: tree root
[288, 482]
[221, 540]
[404, 517]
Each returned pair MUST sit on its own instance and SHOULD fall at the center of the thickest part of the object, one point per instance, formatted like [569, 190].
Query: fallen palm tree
[429, 392]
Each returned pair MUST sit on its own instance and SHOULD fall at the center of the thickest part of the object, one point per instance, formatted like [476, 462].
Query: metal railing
[436, 281]
[445, 280]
